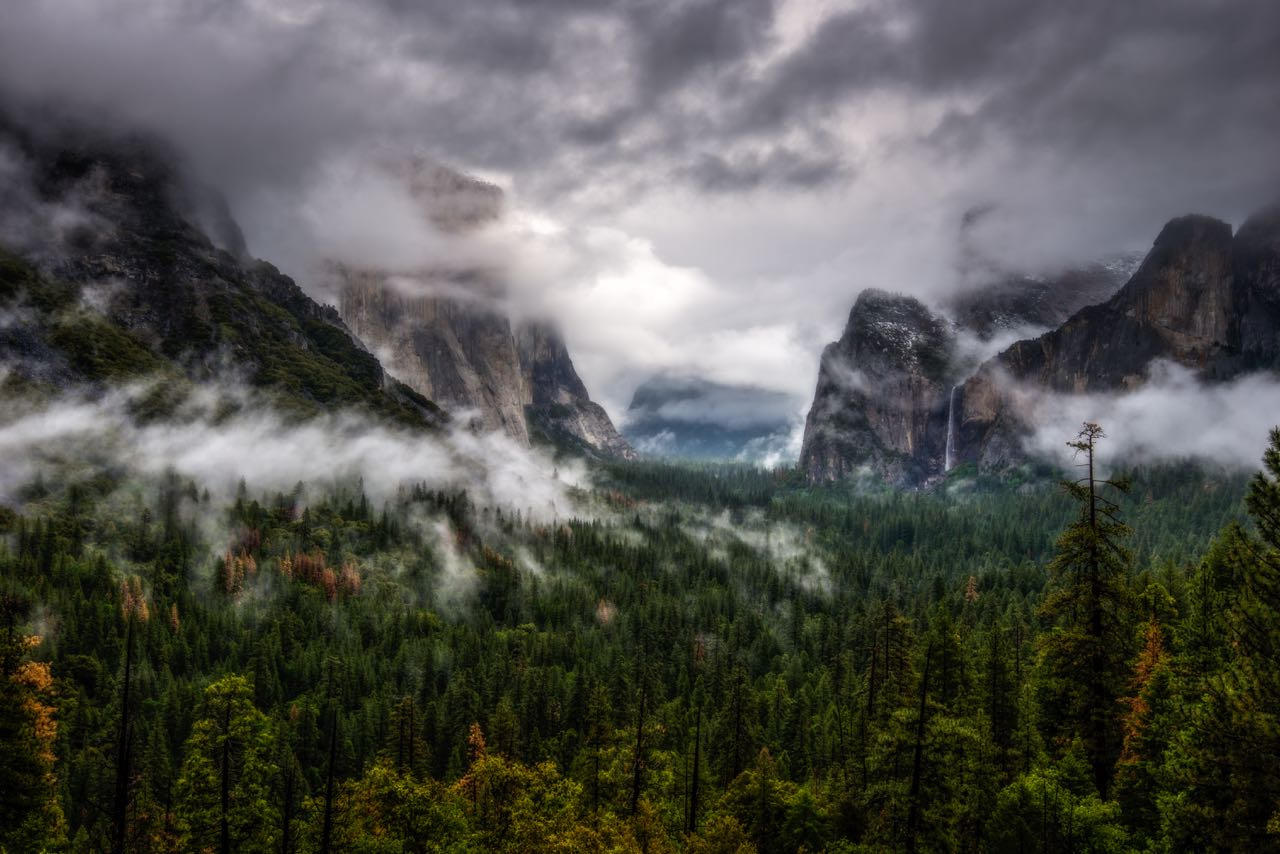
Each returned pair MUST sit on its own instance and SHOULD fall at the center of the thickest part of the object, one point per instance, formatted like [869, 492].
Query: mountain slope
[112, 278]
[880, 398]
[1202, 298]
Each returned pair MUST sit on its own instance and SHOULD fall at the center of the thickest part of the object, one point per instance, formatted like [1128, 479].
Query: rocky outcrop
[1177, 306]
[881, 398]
[556, 404]
[1202, 299]
[458, 352]
[447, 332]
[457, 347]
[890, 399]
[1255, 265]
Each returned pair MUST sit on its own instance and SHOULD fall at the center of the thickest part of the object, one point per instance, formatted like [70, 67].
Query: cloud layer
[700, 186]
[1173, 416]
[269, 453]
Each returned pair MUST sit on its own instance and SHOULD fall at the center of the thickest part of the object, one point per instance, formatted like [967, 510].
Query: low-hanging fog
[269, 452]
[1172, 416]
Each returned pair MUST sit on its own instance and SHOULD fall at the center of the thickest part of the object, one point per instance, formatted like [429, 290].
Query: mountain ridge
[1202, 297]
[127, 264]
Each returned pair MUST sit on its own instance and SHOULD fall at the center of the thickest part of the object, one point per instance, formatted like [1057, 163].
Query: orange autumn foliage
[1151, 659]
[36, 676]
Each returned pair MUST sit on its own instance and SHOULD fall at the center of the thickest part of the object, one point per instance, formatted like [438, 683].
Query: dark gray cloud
[679, 40]
[1160, 78]
[647, 91]
[779, 167]
[754, 162]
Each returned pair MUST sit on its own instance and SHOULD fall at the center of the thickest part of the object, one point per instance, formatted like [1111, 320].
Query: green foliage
[857, 670]
[1038, 813]
[1085, 653]
[384, 811]
[304, 359]
[22, 285]
[224, 790]
[100, 351]
[1224, 762]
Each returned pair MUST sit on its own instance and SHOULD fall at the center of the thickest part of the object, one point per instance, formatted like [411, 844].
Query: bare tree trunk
[693, 787]
[286, 812]
[120, 807]
[326, 834]
[913, 816]
[637, 776]
[224, 815]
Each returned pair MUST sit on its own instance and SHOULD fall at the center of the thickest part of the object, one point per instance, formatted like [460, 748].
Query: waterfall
[950, 458]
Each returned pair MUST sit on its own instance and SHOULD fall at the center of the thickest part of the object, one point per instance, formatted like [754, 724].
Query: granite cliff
[880, 402]
[894, 397]
[448, 334]
[1202, 298]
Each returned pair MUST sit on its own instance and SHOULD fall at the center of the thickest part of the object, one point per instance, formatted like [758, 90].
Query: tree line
[720, 660]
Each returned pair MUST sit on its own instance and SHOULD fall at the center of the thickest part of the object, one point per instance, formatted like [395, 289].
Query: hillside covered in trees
[704, 659]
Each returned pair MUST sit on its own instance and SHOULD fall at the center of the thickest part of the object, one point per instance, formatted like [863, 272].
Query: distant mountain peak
[1201, 298]
[691, 417]
[447, 332]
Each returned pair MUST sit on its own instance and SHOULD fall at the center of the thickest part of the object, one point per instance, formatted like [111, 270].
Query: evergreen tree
[1228, 758]
[1084, 656]
[224, 790]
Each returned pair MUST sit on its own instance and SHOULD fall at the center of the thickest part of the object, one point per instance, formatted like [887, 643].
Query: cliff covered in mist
[109, 272]
[896, 399]
[448, 332]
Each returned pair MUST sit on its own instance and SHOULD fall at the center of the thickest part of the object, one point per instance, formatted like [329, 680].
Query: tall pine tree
[1084, 655]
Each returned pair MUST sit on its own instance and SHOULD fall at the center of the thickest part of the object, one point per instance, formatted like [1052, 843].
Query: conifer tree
[1084, 656]
[1229, 756]
[224, 791]
[135, 611]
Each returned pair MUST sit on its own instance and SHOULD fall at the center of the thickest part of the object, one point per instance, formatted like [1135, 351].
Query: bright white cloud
[272, 453]
[1173, 416]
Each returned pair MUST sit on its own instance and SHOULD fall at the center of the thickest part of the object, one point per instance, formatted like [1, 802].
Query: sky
[696, 187]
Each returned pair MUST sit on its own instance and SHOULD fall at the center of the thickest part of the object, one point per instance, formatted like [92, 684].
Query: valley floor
[705, 659]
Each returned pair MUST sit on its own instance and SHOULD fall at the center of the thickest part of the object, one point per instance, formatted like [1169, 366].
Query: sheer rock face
[1255, 264]
[461, 351]
[447, 334]
[1201, 299]
[556, 402]
[1177, 306]
[881, 399]
[458, 353]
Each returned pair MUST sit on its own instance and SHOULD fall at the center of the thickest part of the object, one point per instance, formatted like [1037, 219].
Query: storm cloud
[687, 175]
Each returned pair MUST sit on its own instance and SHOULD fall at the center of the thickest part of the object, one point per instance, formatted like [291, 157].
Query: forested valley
[710, 658]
